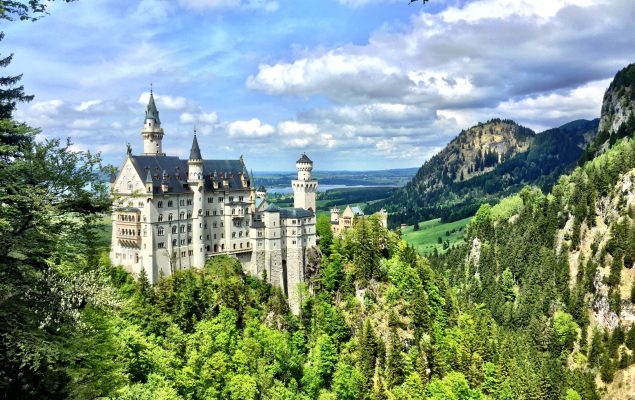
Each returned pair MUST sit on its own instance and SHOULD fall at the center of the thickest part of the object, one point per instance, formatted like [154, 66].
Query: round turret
[261, 192]
[304, 165]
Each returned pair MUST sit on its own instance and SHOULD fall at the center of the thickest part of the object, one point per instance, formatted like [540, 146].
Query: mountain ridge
[484, 163]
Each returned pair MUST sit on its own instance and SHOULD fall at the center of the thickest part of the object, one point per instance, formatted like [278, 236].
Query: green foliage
[565, 330]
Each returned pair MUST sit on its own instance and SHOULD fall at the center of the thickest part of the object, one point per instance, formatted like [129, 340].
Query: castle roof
[151, 110]
[195, 151]
[295, 213]
[177, 169]
[304, 159]
[272, 208]
[261, 188]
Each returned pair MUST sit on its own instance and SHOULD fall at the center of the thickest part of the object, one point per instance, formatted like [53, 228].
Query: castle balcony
[128, 227]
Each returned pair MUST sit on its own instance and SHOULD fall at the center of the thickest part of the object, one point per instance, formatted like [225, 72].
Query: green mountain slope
[485, 163]
[563, 263]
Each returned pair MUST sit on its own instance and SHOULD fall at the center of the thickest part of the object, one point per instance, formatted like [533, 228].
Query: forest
[511, 313]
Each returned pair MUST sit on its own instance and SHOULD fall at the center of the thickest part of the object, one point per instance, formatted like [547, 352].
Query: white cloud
[86, 105]
[200, 5]
[83, 123]
[501, 9]
[252, 128]
[49, 107]
[199, 117]
[360, 3]
[165, 101]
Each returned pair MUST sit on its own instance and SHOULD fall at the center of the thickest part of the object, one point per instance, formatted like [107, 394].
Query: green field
[426, 239]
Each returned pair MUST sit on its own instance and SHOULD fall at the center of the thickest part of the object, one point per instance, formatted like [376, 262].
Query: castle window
[170, 203]
[241, 245]
[189, 228]
[222, 224]
[190, 252]
[189, 215]
[189, 240]
[189, 202]
[240, 234]
[207, 248]
[182, 215]
[220, 199]
[170, 217]
[182, 242]
[174, 229]
[240, 198]
[210, 199]
[207, 237]
[234, 246]
[233, 211]
[248, 244]
[159, 204]
[173, 242]
[214, 212]
[233, 235]
[207, 213]
[181, 202]
[160, 232]
[183, 254]
[293, 221]
[182, 229]
[160, 217]
[294, 242]
[160, 245]
[214, 224]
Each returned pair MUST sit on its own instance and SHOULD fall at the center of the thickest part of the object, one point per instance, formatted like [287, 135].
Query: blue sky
[357, 84]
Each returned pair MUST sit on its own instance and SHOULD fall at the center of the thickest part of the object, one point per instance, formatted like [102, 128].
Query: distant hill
[483, 164]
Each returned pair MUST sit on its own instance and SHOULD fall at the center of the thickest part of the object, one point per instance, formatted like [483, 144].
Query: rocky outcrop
[619, 100]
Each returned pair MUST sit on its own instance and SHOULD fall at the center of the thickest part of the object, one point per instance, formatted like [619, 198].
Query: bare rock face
[313, 256]
[475, 252]
[619, 100]
[601, 310]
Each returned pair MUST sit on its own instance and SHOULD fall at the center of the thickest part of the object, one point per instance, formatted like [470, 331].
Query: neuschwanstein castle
[172, 214]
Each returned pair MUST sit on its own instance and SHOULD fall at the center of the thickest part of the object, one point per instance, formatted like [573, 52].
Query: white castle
[171, 214]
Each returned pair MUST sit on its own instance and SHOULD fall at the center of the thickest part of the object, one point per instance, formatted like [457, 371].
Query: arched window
[174, 229]
[160, 217]
[170, 217]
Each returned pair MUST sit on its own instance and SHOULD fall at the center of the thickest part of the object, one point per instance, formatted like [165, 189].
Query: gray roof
[177, 169]
[195, 151]
[151, 110]
[261, 188]
[295, 213]
[259, 201]
[272, 208]
[304, 159]
[357, 211]
[257, 224]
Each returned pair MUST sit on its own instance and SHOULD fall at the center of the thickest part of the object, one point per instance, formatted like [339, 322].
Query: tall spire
[151, 109]
[195, 151]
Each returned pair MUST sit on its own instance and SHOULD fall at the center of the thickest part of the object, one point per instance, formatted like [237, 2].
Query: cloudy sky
[357, 84]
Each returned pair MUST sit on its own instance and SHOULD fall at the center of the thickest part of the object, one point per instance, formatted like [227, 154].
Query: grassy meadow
[426, 239]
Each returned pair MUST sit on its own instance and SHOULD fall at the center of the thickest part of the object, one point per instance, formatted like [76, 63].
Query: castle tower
[335, 215]
[304, 187]
[152, 132]
[195, 180]
[261, 192]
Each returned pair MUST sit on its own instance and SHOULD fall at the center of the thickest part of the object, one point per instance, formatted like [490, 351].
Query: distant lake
[321, 188]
